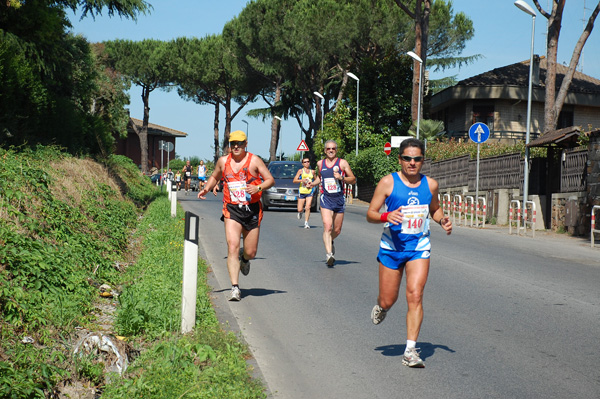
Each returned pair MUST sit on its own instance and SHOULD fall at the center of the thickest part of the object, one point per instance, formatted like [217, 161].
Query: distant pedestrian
[187, 176]
[409, 198]
[333, 173]
[305, 176]
[178, 180]
[201, 174]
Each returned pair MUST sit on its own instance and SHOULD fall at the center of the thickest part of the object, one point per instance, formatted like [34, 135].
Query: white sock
[410, 344]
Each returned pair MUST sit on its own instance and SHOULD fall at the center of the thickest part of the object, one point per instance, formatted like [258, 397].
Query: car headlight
[272, 190]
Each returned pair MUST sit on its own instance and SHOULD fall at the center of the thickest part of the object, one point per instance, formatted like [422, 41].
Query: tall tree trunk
[275, 126]
[228, 122]
[421, 18]
[554, 25]
[216, 132]
[564, 87]
[143, 134]
[553, 101]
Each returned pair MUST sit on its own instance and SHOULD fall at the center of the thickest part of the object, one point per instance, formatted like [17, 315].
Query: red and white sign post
[387, 148]
[302, 146]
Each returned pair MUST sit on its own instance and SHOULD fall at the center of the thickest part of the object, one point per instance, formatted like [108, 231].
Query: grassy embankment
[69, 225]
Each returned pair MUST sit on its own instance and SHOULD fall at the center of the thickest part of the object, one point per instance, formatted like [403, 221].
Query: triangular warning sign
[302, 146]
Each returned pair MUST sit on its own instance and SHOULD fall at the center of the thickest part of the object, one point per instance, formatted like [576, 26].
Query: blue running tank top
[330, 186]
[413, 233]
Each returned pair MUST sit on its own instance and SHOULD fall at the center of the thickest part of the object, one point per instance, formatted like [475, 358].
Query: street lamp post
[420, 61]
[247, 129]
[278, 136]
[316, 93]
[353, 76]
[527, 9]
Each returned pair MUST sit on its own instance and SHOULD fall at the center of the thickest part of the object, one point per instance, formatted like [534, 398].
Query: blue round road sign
[479, 132]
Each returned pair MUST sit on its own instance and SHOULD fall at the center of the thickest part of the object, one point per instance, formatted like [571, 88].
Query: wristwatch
[259, 188]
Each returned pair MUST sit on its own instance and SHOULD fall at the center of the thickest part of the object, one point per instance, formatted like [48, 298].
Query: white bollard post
[169, 188]
[190, 273]
[174, 200]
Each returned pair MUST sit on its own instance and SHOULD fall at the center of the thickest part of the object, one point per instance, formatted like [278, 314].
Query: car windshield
[284, 170]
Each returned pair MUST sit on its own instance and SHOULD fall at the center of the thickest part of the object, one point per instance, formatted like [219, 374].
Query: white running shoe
[330, 260]
[306, 225]
[378, 314]
[236, 294]
[411, 358]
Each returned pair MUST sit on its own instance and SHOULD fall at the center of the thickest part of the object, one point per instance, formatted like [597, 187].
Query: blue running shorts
[303, 196]
[395, 260]
[336, 204]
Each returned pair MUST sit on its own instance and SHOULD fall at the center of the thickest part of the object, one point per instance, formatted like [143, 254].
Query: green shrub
[372, 164]
[61, 226]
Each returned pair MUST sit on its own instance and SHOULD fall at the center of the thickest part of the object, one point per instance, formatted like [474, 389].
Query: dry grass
[73, 176]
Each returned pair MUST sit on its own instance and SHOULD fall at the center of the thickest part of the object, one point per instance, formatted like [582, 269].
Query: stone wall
[569, 213]
[593, 170]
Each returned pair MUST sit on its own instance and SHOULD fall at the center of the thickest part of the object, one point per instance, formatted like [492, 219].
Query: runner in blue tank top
[409, 197]
[333, 173]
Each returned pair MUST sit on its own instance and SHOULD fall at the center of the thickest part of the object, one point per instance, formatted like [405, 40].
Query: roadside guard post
[190, 273]
[457, 210]
[481, 212]
[446, 205]
[469, 210]
[173, 200]
[169, 188]
[511, 215]
[526, 218]
[594, 230]
[348, 193]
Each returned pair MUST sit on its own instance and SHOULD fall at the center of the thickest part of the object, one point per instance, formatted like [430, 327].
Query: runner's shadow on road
[254, 291]
[260, 292]
[341, 262]
[427, 349]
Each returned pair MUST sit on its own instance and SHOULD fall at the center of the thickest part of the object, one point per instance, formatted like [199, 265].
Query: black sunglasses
[236, 143]
[408, 158]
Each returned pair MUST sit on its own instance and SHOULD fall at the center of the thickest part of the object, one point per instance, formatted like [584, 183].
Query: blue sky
[502, 37]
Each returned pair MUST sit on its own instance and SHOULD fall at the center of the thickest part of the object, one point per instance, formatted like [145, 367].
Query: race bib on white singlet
[414, 218]
[331, 185]
[237, 191]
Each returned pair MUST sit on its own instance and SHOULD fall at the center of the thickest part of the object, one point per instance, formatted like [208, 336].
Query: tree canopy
[53, 85]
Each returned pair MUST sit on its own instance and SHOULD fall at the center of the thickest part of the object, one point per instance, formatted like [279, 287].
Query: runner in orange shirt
[245, 177]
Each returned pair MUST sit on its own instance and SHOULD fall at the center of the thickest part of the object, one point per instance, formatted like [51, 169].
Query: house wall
[130, 147]
[455, 118]
[510, 118]
[586, 116]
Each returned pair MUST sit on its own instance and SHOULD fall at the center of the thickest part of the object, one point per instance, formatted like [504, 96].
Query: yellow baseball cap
[238, 135]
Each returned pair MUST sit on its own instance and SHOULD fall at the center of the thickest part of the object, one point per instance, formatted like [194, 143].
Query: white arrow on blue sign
[479, 132]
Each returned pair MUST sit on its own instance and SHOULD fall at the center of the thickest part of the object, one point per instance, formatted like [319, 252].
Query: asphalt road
[505, 316]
